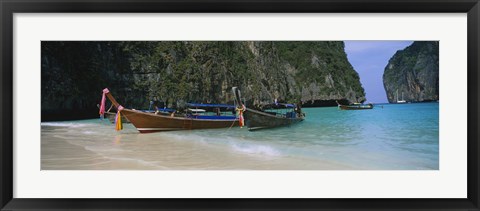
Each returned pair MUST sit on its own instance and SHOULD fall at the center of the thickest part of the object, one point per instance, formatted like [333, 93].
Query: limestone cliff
[74, 73]
[413, 72]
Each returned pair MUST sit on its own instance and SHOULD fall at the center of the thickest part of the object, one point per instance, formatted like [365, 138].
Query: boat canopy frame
[202, 105]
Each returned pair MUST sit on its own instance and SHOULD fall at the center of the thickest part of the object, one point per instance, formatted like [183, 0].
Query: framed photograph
[239, 105]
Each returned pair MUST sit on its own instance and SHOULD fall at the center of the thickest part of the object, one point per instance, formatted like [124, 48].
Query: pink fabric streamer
[102, 104]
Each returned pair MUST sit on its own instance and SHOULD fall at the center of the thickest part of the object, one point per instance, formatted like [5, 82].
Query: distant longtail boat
[146, 122]
[355, 106]
[255, 119]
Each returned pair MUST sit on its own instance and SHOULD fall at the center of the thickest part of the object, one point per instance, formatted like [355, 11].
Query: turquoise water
[397, 136]
[388, 137]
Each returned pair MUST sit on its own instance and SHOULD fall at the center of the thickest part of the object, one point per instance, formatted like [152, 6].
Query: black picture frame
[9, 7]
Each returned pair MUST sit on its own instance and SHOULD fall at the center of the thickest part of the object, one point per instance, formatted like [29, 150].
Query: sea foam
[256, 150]
[61, 124]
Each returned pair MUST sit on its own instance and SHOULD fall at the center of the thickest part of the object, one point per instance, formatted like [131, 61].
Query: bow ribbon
[118, 119]
[102, 103]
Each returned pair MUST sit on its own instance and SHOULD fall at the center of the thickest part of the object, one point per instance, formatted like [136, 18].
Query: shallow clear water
[390, 136]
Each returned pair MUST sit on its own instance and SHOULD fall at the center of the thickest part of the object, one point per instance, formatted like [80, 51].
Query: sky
[369, 59]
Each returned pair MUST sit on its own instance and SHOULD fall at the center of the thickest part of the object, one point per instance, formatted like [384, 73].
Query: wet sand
[87, 146]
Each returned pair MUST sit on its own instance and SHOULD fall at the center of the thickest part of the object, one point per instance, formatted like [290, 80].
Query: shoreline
[73, 115]
[157, 152]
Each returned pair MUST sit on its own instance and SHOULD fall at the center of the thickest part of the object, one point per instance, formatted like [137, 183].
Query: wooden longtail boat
[355, 106]
[151, 122]
[164, 111]
[256, 120]
[111, 117]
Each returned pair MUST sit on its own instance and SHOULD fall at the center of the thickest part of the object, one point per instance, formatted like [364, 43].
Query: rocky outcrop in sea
[413, 73]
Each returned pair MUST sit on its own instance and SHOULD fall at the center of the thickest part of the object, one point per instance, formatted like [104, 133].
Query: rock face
[74, 73]
[413, 72]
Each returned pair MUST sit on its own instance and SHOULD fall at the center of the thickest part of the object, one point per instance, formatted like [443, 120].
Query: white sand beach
[92, 146]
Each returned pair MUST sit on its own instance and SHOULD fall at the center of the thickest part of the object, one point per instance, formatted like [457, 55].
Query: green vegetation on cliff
[74, 73]
[413, 72]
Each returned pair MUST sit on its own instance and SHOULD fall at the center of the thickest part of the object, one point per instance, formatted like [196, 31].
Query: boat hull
[149, 122]
[355, 107]
[256, 120]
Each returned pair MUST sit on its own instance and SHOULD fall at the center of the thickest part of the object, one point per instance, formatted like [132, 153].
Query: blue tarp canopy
[210, 105]
[167, 109]
[289, 105]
